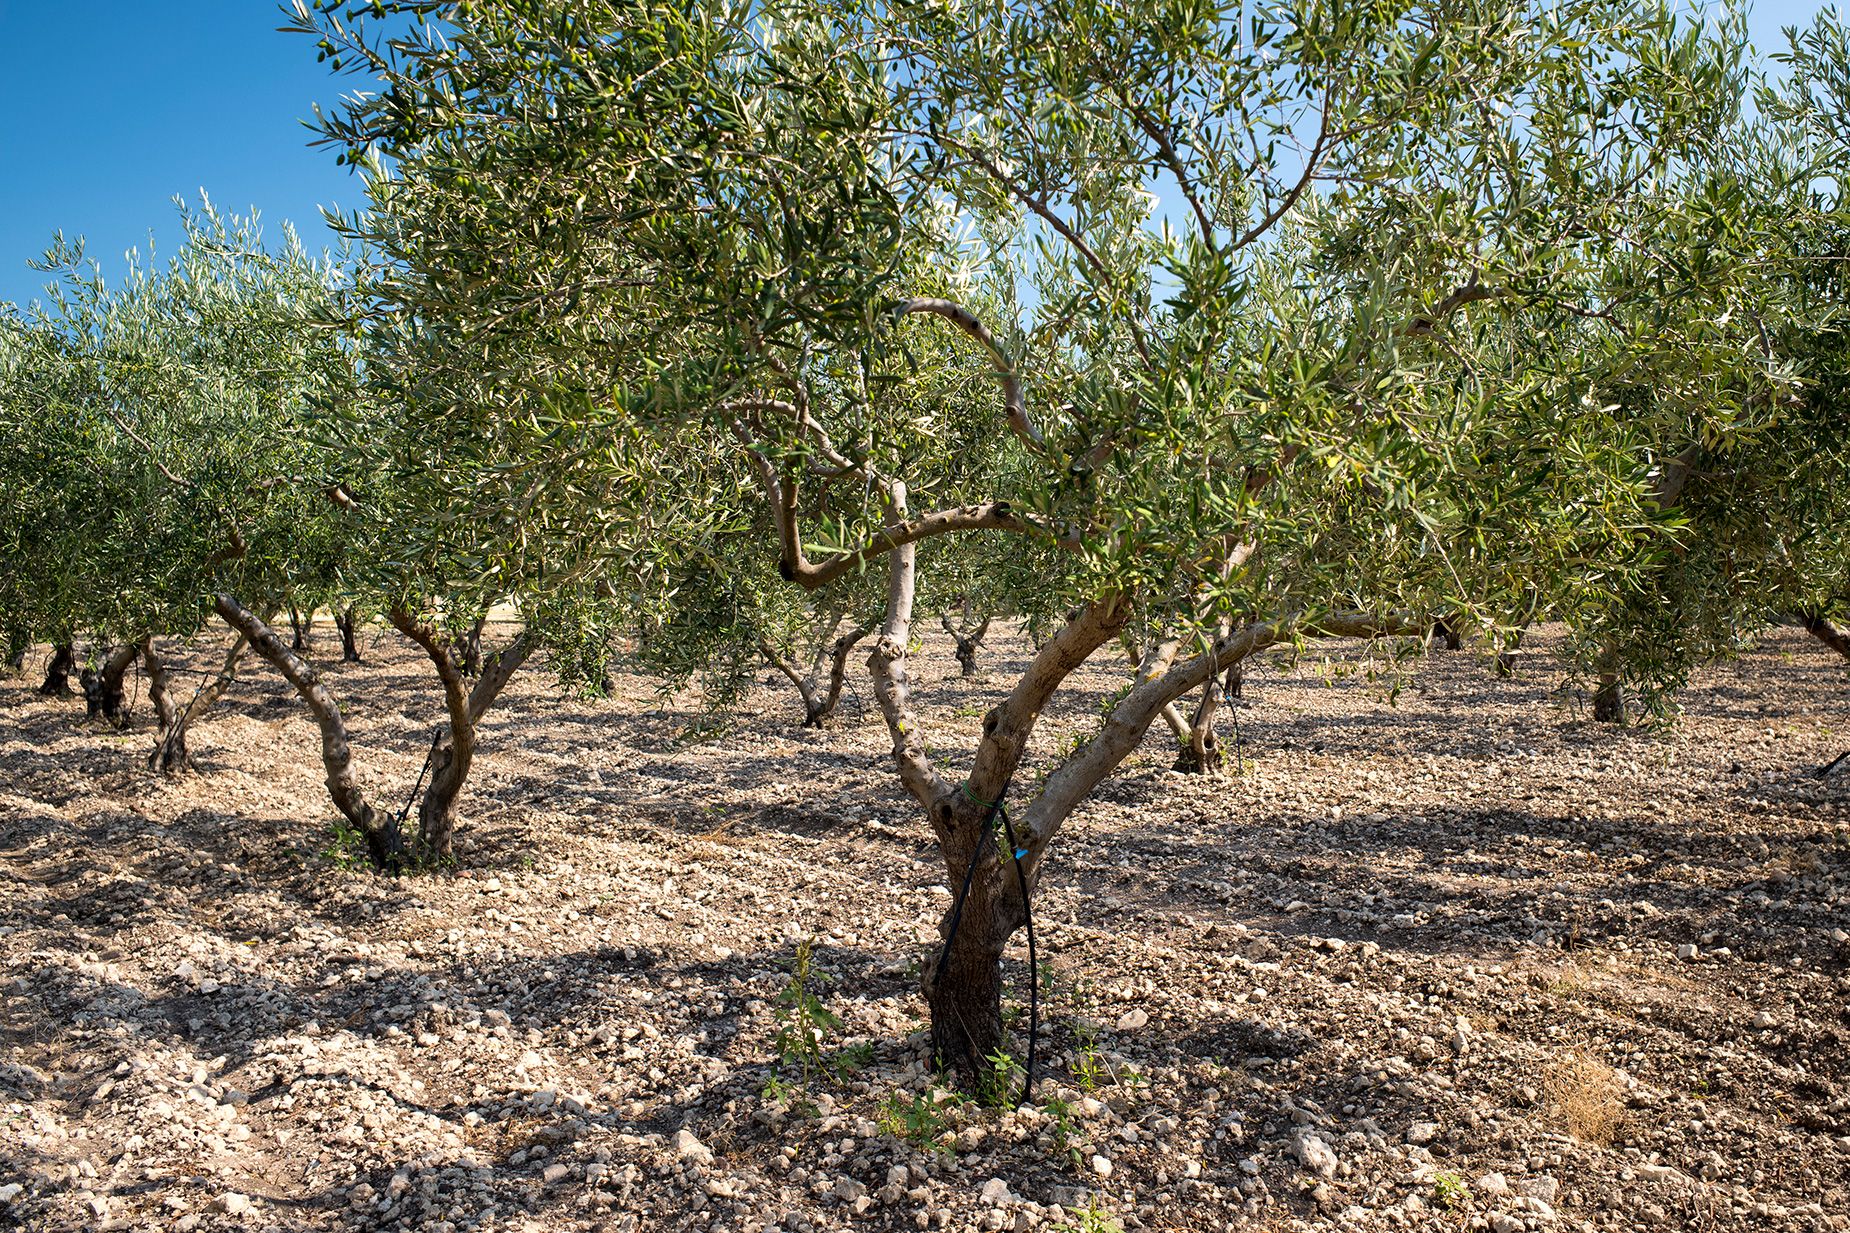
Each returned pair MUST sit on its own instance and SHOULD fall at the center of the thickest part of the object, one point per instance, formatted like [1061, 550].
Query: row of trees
[756, 330]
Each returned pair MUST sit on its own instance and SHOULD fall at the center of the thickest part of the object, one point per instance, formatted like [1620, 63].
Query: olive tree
[1279, 321]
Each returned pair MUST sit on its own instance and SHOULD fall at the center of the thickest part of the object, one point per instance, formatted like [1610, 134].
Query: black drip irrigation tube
[993, 809]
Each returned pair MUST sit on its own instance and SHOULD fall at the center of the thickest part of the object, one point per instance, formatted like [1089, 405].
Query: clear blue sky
[109, 108]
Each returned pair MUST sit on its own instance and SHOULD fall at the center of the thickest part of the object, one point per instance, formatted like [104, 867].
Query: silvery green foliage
[153, 435]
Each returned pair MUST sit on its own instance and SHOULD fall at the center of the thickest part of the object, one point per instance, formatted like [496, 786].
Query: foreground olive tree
[1266, 326]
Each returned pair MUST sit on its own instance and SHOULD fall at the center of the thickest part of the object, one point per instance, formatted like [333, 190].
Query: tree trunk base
[58, 672]
[1609, 702]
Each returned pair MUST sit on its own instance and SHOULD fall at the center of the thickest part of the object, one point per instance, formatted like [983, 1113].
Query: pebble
[1315, 1155]
[1422, 1133]
[231, 1203]
[1101, 1165]
[996, 1192]
[688, 1147]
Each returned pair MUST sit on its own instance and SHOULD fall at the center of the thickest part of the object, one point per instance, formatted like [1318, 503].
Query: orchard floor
[1462, 962]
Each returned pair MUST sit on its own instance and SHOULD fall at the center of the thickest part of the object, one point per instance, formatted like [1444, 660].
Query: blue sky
[109, 108]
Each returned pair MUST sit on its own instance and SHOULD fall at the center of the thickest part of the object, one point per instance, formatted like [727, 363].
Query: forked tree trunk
[1827, 632]
[346, 621]
[968, 637]
[469, 651]
[384, 839]
[105, 694]
[1201, 755]
[58, 671]
[170, 755]
[820, 697]
[454, 749]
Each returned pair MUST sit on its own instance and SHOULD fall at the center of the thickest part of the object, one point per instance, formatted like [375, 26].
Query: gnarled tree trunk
[1827, 632]
[346, 621]
[1444, 633]
[105, 694]
[384, 839]
[170, 754]
[298, 625]
[454, 749]
[966, 635]
[58, 671]
[820, 698]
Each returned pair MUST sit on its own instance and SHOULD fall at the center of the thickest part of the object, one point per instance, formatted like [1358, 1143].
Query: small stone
[231, 1203]
[10, 1191]
[687, 1147]
[1658, 1173]
[1131, 1020]
[1544, 1188]
[1421, 1133]
[1765, 1020]
[848, 1190]
[1101, 1165]
[1493, 1185]
[555, 1173]
[1503, 1222]
[1072, 1198]
[996, 1192]
[1688, 952]
[1315, 1155]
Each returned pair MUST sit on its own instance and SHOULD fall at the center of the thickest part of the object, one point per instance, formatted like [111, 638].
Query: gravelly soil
[1462, 962]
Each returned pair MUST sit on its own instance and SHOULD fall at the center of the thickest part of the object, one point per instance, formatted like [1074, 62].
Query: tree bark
[1445, 633]
[1827, 631]
[968, 637]
[1609, 700]
[454, 750]
[346, 621]
[170, 755]
[384, 840]
[105, 695]
[299, 626]
[17, 644]
[58, 671]
[1201, 755]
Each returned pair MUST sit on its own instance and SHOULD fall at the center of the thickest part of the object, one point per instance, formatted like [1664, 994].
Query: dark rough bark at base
[169, 754]
[346, 623]
[58, 672]
[105, 693]
[299, 628]
[966, 1001]
[1445, 634]
[966, 657]
[1609, 701]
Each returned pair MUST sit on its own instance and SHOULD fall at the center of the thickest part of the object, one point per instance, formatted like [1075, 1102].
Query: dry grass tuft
[1585, 1097]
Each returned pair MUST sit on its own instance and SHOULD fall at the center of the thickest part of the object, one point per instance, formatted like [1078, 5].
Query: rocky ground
[1460, 962]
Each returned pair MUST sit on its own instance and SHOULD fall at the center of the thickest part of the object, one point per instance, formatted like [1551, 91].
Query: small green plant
[917, 1119]
[1067, 1134]
[1000, 1079]
[778, 1092]
[348, 849]
[1091, 1219]
[1450, 1191]
[803, 1022]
